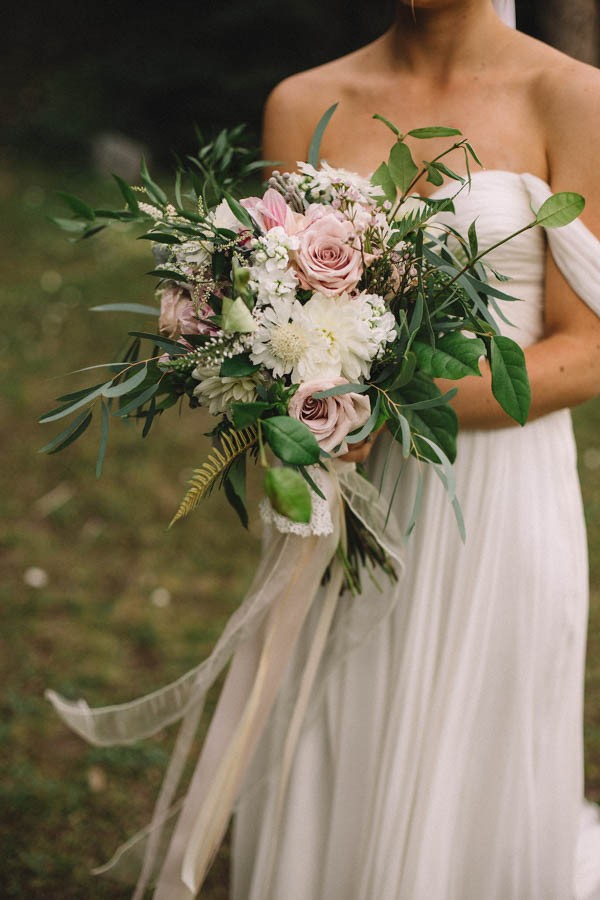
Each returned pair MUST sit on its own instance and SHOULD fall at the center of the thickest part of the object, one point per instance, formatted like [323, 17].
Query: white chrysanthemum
[288, 343]
[219, 393]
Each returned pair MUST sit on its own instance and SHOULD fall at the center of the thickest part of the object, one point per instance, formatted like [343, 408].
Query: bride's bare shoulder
[295, 105]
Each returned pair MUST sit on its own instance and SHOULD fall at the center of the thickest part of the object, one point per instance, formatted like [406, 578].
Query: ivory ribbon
[259, 639]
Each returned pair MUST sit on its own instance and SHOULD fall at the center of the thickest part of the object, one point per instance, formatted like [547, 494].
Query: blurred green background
[98, 599]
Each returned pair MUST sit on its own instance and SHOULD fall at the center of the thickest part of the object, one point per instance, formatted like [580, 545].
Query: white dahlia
[287, 342]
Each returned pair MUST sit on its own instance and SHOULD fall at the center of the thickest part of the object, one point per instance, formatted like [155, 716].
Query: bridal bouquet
[304, 319]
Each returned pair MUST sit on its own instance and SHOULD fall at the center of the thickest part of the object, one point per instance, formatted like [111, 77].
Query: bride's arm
[564, 366]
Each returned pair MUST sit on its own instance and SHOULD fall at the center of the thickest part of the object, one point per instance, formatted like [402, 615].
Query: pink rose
[272, 211]
[328, 258]
[333, 418]
[180, 315]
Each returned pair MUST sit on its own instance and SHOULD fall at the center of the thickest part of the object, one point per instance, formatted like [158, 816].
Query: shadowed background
[97, 598]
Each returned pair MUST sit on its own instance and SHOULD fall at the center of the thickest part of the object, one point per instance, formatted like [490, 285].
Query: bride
[445, 758]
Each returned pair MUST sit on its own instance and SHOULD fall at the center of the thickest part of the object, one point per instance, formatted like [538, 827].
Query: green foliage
[288, 493]
[560, 209]
[291, 441]
[510, 383]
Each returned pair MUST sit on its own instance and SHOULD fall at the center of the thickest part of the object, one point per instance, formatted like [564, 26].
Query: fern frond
[214, 470]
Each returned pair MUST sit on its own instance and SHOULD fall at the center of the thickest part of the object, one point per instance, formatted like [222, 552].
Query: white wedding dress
[444, 759]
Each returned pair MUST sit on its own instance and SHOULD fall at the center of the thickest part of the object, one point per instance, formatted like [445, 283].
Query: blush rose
[328, 258]
[332, 418]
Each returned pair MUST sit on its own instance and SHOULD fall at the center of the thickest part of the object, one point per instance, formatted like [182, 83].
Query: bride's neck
[440, 38]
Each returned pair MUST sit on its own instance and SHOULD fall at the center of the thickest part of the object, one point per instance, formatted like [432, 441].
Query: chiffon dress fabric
[444, 758]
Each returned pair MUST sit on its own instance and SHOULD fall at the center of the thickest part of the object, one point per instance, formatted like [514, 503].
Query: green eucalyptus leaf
[402, 166]
[454, 356]
[288, 493]
[433, 132]
[291, 440]
[103, 438]
[241, 214]
[71, 225]
[172, 347]
[126, 386]
[155, 192]
[69, 408]
[128, 308]
[443, 168]
[138, 401]
[69, 435]
[560, 209]
[510, 382]
[159, 237]
[436, 422]
[342, 389]
[314, 149]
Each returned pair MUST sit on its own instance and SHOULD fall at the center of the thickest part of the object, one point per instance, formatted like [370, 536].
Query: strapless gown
[445, 758]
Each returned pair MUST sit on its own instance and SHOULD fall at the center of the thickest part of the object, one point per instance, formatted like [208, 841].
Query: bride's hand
[360, 451]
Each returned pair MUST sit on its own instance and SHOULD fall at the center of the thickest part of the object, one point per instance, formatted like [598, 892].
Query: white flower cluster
[271, 277]
[328, 184]
[327, 337]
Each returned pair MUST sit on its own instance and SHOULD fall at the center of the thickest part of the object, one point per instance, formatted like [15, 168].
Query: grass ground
[97, 598]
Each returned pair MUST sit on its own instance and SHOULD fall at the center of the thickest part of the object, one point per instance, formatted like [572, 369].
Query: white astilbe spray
[271, 276]
[327, 183]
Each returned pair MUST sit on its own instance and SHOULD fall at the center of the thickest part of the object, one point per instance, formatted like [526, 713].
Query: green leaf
[159, 237]
[72, 225]
[473, 242]
[390, 125]
[245, 414]
[342, 389]
[77, 395]
[510, 382]
[128, 195]
[103, 438]
[69, 408]
[155, 192]
[382, 178]
[314, 149]
[127, 307]
[78, 206]
[402, 167]
[235, 488]
[438, 423]
[70, 434]
[433, 131]
[473, 154]
[454, 356]
[369, 425]
[288, 493]
[125, 387]
[237, 366]
[172, 347]
[433, 176]
[405, 373]
[560, 209]
[138, 401]
[291, 440]
[241, 214]
[236, 317]
[441, 167]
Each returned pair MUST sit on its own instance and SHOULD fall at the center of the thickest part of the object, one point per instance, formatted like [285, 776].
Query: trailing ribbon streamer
[259, 640]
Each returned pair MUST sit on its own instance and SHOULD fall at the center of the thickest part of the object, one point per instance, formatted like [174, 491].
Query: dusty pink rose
[272, 211]
[333, 418]
[328, 258]
[180, 315]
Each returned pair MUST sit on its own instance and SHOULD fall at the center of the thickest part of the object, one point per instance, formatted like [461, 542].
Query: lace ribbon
[259, 640]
